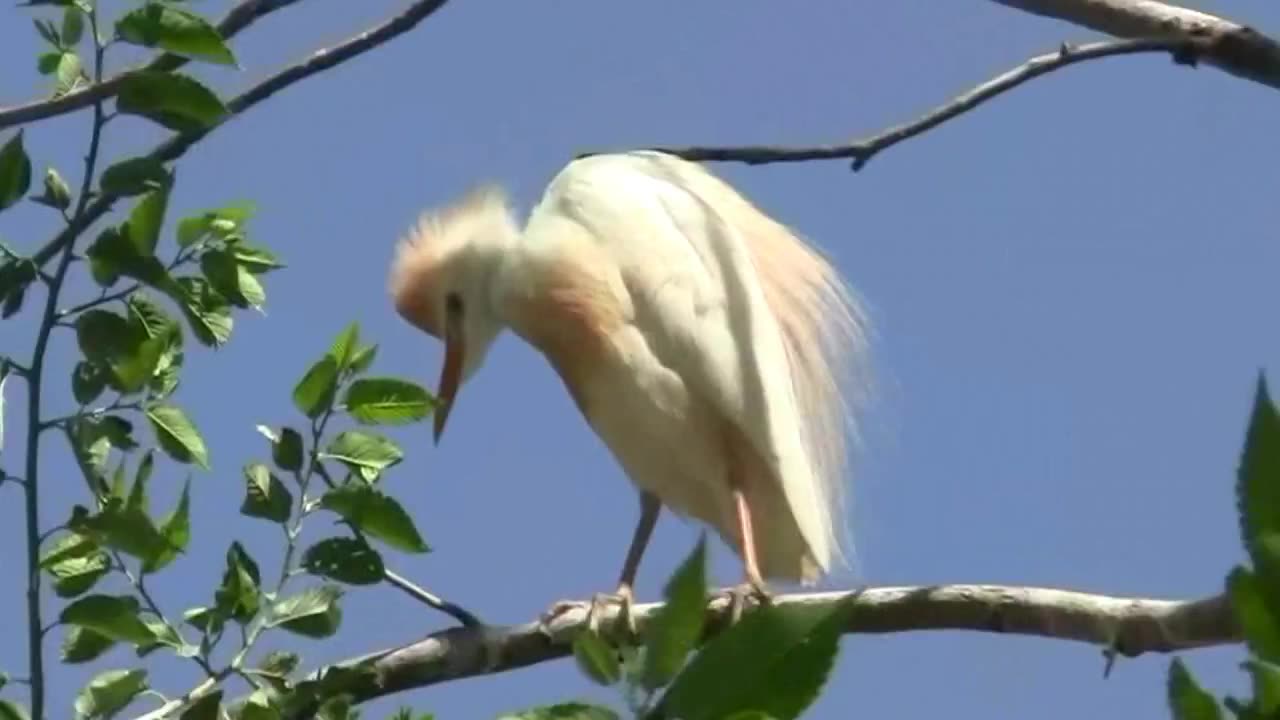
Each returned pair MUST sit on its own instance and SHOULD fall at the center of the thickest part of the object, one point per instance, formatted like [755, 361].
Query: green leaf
[70, 74]
[1261, 630]
[135, 176]
[1266, 685]
[1187, 700]
[206, 708]
[344, 346]
[108, 340]
[109, 692]
[344, 559]
[774, 660]
[387, 401]
[596, 659]
[177, 435]
[239, 597]
[72, 25]
[231, 279]
[113, 254]
[116, 617]
[13, 302]
[315, 392]
[563, 711]
[207, 311]
[87, 382]
[15, 171]
[313, 613]
[175, 529]
[151, 319]
[162, 25]
[10, 710]
[146, 219]
[363, 358]
[286, 450]
[222, 222]
[47, 62]
[129, 531]
[375, 514]
[48, 31]
[70, 546]
[678, 626]
[265, 496]
[256, 260]
[1258, 492]
[172, 100]
[82, 645]
[279, 663]
[75, 576]
[57, 194]
[366, 453]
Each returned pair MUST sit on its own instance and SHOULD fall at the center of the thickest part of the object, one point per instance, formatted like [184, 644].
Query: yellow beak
[450, 374]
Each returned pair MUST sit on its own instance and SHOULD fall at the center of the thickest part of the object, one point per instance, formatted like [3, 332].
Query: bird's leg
[650, 508]
[754, 585]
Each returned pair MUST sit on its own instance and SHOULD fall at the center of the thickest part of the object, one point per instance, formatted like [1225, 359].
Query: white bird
[703, 341]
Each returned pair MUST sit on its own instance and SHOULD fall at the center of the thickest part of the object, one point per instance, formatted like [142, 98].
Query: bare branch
[1127, 626]
[240, 17]
[1237, 49]
[177, 145]
[861, 151]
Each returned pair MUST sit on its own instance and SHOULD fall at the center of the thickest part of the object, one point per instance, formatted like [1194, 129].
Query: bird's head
[441, 283]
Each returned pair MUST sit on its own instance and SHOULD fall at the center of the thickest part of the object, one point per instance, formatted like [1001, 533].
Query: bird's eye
[453, 303]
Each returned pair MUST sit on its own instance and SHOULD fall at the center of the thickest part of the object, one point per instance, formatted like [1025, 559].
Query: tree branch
[177, 145]
[861, 151]
[1237, 49]
[240, 17]
[1126, 626]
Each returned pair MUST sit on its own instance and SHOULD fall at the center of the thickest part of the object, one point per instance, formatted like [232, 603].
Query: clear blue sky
[1073, 291]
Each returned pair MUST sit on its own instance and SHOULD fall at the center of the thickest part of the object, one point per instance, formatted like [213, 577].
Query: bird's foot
[597, 607]
[748, 591]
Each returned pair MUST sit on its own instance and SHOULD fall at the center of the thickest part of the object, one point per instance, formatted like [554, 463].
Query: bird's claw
[740, 594]
[595, 608]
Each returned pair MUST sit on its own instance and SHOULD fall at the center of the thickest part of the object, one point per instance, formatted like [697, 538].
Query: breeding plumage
[703, 341]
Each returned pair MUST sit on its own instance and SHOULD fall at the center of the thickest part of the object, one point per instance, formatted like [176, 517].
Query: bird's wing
[700, 303]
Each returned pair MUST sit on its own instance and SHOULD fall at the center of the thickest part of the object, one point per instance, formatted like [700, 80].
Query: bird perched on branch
[703, 341]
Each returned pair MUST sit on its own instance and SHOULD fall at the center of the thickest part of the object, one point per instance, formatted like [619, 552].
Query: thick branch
[1237, 49]
[861, 151]
[1129, 626]
[176, 146]
[240, 17]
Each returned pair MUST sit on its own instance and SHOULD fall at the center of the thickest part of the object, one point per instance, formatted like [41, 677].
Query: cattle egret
[703, 341]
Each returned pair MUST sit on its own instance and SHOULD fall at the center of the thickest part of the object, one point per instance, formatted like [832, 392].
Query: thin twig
[861, 151]
[240, 17]
[431, 600]
[35, 624]
[176, 146]
[1126, 625]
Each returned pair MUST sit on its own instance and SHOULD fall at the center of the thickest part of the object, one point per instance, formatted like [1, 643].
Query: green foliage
[596, 659]
[314, 612]
[166, 26]
[15, 171]
[375, 514]
[363, 452]
[109, 692]
[1187, 700]
[135, 176]
[10, 710]
[347, 560]
[172, 100]
[177, 435]
[387, 401]
[564, 711]
[677, 628]
[265, 496]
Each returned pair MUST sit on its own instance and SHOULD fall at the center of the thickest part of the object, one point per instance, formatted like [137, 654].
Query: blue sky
[1073, 292]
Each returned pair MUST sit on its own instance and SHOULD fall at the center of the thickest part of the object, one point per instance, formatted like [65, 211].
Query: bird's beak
[450, 373]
